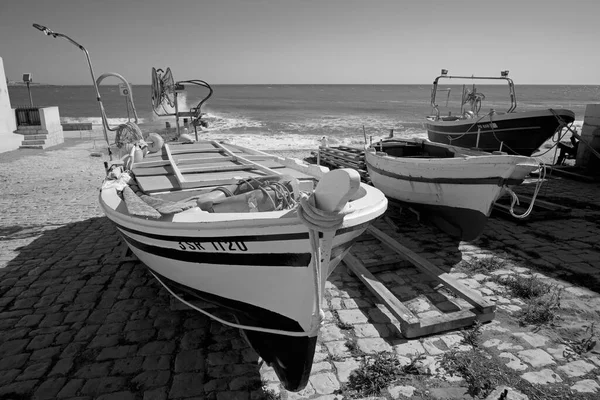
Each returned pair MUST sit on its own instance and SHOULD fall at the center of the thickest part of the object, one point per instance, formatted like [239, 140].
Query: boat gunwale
[508, 116]
[371, 203]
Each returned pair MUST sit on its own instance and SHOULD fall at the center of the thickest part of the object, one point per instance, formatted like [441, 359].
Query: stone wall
[8, 139]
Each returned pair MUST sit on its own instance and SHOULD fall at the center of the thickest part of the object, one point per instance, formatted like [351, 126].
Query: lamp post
[49, 32]
[27, 79]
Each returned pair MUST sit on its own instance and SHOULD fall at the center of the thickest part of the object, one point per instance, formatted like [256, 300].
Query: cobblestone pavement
[79, 320]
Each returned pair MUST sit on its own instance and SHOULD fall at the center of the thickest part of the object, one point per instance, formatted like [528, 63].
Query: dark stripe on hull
[290, 357]
[521, 136]
[247, 259]
[463, 223]
[261, 259]
[498, 181]
[246, 238]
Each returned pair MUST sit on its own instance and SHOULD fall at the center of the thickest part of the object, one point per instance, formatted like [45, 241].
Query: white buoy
[155, 142]
[185, 138]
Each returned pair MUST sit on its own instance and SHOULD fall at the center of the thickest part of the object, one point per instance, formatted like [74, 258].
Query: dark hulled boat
[520, 133]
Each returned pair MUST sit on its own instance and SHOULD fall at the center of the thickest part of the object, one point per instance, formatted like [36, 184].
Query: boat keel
[290, 356]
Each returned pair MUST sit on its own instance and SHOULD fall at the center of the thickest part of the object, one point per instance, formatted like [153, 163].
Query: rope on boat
[129, 132]
[515, 199]
[450, 138]
[284, 198]
[558, 132]
[228, 323]
[316, 220]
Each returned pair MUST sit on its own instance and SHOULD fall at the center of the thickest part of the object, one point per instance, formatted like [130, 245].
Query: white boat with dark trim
[260, 265]
[512, 132]
[456, 186]
[253, 233]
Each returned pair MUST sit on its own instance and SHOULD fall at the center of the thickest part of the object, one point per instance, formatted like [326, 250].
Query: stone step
[35, 137]
[33, 142]
[32, 133]
[30, 146]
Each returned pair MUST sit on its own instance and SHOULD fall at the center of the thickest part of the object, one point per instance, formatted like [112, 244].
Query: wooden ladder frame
[410, 325]
[246, 164]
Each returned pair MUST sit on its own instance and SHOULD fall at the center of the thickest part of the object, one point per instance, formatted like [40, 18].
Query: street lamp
[49, 32]
[27, 79]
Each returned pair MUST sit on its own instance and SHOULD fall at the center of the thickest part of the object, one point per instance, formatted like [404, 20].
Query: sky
[304, 41]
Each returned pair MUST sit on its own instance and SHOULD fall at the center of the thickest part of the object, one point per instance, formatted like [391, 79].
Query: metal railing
[28, 116]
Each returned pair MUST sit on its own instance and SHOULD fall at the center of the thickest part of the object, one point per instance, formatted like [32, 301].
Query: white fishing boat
[263, 266]
[456, 186]
[255, 234]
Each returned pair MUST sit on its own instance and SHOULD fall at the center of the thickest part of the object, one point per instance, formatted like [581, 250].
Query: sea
[298, 116]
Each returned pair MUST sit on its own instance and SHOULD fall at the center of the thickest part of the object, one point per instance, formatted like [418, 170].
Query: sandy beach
[300, 146]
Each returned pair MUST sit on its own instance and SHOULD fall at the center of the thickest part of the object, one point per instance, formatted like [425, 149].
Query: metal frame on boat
[512, 132]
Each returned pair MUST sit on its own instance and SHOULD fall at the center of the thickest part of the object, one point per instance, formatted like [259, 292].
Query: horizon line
[18, 83]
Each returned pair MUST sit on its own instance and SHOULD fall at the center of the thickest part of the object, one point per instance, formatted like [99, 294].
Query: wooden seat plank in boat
[200, 168]
[203, 148]
[154, 178]
[167, 183]
[195, 160]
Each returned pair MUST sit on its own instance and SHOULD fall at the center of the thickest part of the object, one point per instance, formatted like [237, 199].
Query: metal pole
[30, 100]
[176, 115]
[49, 32]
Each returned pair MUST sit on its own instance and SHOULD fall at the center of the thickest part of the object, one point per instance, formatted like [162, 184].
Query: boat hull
[458, 193]
[515, 133]
[260, 269]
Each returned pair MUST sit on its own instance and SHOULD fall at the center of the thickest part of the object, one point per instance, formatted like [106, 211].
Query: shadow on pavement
[75, 320]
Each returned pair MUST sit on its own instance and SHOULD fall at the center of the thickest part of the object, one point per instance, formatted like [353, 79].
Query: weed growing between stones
[261, 392]
[484, 372]
[484, 265]
[269, 394]
[525, 288]
[375, 373]
[353, 348]
[475, 367]
[585, 344]
[543, 300]
[472, 336]
[338, 322]
[541, 310]
[414, 367]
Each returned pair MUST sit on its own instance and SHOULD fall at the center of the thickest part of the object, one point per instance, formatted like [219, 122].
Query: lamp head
[43, 29]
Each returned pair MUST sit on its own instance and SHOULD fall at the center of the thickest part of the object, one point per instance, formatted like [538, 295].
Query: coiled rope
[284, 198]
[129, 132]
[316, 220]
